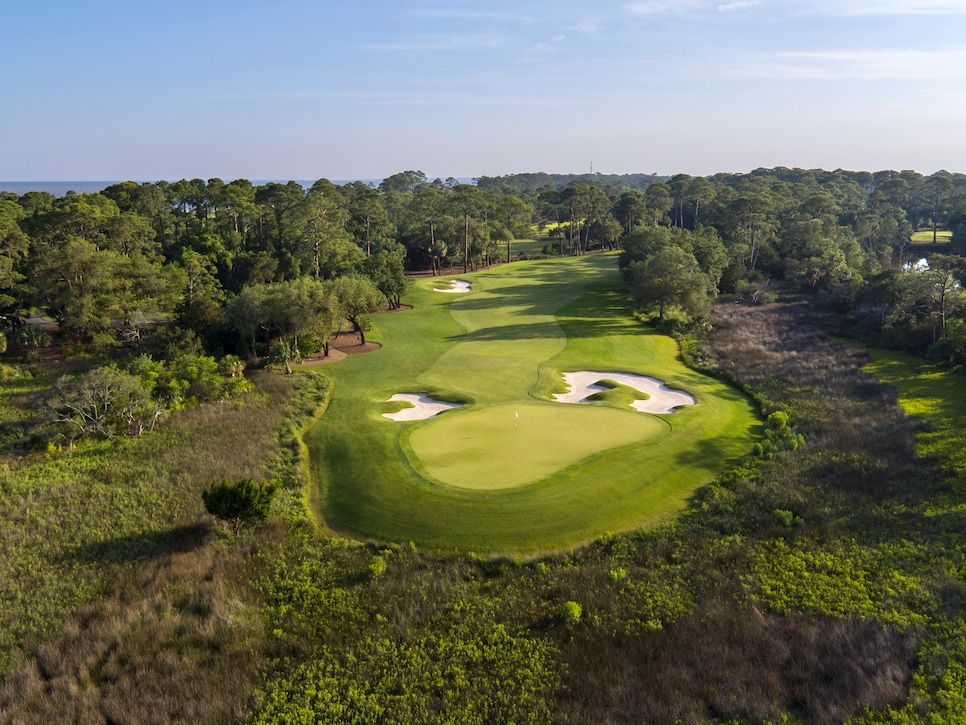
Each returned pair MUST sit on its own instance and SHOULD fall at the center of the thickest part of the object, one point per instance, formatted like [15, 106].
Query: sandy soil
[341, 346]
[457, 285]
[423, 407]
[583, 383]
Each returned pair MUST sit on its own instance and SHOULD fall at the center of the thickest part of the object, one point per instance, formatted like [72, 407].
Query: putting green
[570, 473]
[520, 444]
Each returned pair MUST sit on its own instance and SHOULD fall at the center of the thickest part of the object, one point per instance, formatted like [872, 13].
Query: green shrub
[788, 518]
[571, 612]
[618, 574]
[377, 566]
[239, 503]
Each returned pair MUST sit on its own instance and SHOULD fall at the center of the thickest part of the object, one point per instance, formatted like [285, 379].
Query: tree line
[232, 267]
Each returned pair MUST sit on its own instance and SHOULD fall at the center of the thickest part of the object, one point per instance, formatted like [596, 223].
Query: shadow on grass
[539, 330]
[138, 547]
[708, 453]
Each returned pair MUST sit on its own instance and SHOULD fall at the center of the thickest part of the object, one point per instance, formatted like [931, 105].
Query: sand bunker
[423, 407]
[663, 399]
[457, 285]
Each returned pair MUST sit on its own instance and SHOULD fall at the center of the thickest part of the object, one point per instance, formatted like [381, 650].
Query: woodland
[147, 330]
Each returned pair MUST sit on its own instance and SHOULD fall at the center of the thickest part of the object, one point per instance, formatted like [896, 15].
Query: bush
[571, 612]
[377, 566]
[239, 503]
[788, 518]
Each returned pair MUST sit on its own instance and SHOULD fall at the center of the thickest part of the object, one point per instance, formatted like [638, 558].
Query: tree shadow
[140, 547]
[710, 454]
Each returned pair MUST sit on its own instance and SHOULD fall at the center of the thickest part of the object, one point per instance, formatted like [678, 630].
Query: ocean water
[57, 188]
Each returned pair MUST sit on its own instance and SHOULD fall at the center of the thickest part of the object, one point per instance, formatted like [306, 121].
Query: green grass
[500, 350]
[525, 247]
[525, 450]
[936, 396]
[926, 236]
[929, 392]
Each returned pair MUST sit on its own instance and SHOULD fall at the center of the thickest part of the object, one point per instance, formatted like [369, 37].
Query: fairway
[511, 469]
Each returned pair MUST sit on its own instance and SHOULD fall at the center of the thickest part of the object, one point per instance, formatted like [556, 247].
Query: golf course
[511, 469]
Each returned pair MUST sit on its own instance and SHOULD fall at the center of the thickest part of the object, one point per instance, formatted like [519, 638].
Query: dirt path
[341, 346]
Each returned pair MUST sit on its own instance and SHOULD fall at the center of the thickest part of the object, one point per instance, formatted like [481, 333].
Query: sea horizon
[61, 188]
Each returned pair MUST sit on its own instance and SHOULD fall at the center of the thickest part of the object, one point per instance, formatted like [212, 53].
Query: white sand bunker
[663, 399]
[456, 285]
[423, 407]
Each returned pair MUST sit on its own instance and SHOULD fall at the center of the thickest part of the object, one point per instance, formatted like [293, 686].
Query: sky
[361, 89]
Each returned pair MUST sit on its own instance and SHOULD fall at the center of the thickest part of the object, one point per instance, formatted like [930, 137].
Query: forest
[146, 332]
[197, 265]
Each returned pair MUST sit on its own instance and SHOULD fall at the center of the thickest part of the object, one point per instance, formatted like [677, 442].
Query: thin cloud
[739, 5]
[448, 99]
[589, 27]
[441, 43]
[665, 7]
[470, 15]
[884, 7]
[548, 46]
[862, 65]
[838, 8]
[415, 98]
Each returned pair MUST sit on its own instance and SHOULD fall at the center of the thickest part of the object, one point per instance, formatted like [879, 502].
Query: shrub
[377, 566]
[239, 503]
[618, 574]
[571, 612]
[788, 518]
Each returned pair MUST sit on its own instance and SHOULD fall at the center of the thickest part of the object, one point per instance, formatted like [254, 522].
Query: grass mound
[521, 444]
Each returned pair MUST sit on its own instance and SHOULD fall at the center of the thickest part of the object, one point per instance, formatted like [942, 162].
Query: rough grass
[729, 614]
[117, 604]
[505, 345]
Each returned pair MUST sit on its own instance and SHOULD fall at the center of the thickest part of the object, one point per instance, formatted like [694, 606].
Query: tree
[240, 503]
[77, 284]
[358, 297]
[938, 184]
[700, 192]
[368, 221]
[315, 229]
[669, 276]
[286, 353]
[657, 202]
[466, 199]
[14, 245]
[678, 187]
[248, 313]
[405, 182]
[941, 288]
[105, 402]
[273, 200]
[385, 268]
[428, 205]
[630, 209]
[201, 292]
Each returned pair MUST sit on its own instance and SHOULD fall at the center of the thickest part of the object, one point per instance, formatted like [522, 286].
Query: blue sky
[362, 89]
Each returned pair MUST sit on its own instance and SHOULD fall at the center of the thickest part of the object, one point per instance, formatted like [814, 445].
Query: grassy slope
[505, 343]
[932, 393]
[926, 236]
[73, 524]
